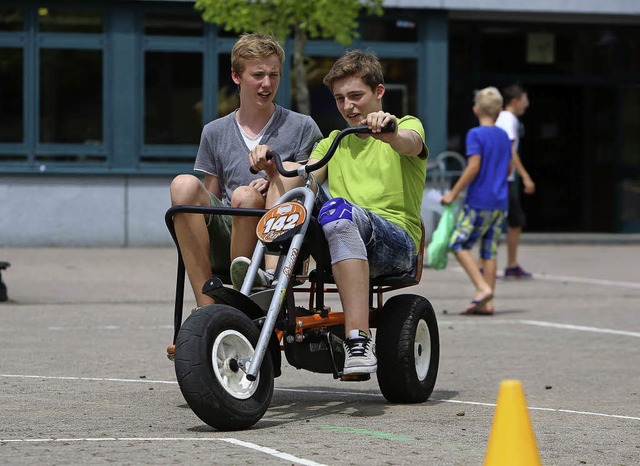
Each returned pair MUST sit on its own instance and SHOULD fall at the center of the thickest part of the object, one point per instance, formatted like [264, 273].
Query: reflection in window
[323, 105]
[631, 51]
[171, 24]
[70, 96]
[629, 183]
[69, 21]
[11, 19]
[402, 28]
[228, 96]
[173, 98]
[11, 95]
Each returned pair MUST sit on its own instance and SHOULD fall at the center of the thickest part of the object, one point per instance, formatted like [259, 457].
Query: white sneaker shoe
[360, 355]
[238, 272]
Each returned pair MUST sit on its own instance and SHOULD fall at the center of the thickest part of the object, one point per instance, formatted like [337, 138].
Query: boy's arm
[408, 142]
[403, 141]
[468, 175]
[529, 185]
[321, 174]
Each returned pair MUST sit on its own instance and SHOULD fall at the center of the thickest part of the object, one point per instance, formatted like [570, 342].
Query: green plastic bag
[438, 248]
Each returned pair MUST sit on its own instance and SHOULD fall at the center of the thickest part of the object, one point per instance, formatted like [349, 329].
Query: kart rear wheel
[208, 348]
[408, 349]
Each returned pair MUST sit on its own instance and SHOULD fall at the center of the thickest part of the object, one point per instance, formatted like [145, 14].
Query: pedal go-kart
[228, 354]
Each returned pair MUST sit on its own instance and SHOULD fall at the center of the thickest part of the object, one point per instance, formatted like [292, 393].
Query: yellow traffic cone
[512, 441]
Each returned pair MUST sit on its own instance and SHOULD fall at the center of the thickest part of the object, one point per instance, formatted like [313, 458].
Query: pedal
[171, 352]
[355, 377]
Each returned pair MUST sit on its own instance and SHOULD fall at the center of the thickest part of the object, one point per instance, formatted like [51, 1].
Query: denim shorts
[390, 249]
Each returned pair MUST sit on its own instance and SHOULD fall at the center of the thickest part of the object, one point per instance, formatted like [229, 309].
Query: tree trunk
[300, 71]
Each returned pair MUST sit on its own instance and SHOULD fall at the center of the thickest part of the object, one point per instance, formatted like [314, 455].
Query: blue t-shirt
[489, 189]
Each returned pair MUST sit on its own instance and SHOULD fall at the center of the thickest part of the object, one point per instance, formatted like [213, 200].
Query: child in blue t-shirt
[486, 202]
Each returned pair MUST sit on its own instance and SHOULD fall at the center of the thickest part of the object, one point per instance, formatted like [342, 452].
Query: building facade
[102, 103]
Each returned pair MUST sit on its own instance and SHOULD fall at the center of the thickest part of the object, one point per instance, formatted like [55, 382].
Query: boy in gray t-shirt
[208, 244]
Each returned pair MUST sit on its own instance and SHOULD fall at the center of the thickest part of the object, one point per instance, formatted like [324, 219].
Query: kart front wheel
[210, 345]
[408, 349]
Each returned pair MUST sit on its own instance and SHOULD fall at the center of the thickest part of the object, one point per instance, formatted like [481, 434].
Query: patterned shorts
[473, 224]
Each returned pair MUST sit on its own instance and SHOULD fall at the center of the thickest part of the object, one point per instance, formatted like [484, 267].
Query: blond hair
[254, 46]
[488, 101]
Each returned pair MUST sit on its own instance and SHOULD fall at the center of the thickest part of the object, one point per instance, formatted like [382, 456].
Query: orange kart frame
[320, 316]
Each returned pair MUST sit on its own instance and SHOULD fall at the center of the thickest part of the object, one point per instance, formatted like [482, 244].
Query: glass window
[69, 21]
[461, 37]
[629, 182]
[631, 51]
[228, 96]
[396, 28]
[70, 96]
[171, 24]
[173, 98]
[502, 48]
[323, 106]
[11, 98]
[11, 19]
[400, 82]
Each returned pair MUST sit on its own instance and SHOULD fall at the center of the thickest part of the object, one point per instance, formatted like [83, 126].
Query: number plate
[281, 222]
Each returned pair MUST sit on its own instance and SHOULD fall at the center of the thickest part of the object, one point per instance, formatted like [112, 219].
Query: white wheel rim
[422, 349]
[227, 349]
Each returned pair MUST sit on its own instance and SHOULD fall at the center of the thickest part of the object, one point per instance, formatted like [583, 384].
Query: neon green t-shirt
[369, 173]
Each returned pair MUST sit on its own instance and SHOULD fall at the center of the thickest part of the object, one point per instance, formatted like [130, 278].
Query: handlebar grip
[255, 172]
[363, 129]
[390, 128]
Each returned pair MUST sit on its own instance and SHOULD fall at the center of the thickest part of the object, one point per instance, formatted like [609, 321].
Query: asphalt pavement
[84, 377]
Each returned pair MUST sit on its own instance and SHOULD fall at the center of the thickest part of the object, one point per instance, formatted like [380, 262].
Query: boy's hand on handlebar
[258, 160]
[376, 121]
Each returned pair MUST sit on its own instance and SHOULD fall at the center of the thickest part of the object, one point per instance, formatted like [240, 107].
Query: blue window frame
[125, 87]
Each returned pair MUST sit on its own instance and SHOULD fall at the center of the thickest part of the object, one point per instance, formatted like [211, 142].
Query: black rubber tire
[407, 327]
[225, 403]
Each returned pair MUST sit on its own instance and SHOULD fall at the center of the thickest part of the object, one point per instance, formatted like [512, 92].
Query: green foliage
[319, 19]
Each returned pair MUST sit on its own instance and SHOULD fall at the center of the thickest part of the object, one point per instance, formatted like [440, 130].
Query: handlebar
[362, 129]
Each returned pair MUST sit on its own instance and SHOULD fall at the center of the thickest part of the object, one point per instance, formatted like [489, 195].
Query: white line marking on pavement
[252, 446]
[581, 328]
[270, 451]
[110, 327]
[91, 379]
[532, 408]
[590, 281]
[571, 279]
[541, 323]
[298, 390]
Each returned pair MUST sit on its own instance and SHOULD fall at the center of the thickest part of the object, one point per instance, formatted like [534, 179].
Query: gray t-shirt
[223, 152]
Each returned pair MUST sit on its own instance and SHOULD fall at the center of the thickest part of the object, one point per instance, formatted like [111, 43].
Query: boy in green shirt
[376, 181]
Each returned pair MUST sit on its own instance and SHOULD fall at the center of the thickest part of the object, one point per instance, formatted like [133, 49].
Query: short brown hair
[513, 91]
[364, 65]
[254, 46]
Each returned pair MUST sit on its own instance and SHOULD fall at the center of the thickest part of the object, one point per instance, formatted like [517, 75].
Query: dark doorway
[568, 148]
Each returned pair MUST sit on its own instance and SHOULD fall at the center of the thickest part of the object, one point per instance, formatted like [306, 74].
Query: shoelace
[357, 346]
